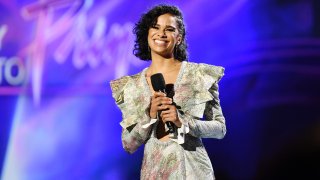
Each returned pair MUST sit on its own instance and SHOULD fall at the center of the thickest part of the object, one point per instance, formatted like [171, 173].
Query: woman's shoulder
[120, 83]
[204, 69]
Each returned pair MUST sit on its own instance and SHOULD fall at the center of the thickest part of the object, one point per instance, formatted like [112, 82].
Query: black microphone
[159, 84]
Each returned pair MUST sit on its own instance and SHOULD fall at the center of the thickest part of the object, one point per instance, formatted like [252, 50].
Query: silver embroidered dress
[197, 100]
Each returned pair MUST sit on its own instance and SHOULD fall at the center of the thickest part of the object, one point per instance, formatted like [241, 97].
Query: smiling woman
[164, 36]
[171, 19]
[192, 106]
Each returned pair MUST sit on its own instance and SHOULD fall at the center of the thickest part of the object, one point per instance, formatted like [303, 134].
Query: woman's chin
[164, 54]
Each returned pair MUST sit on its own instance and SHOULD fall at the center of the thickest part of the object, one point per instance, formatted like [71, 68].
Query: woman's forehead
[167, 20]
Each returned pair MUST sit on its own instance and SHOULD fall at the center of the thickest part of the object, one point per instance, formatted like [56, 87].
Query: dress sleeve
[133, 116]
[134, 136]
[212, 125]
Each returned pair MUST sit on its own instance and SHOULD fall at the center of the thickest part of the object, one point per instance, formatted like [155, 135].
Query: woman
[194, 110]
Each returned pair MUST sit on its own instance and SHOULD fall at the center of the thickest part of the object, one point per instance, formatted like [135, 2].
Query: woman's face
[163, 36]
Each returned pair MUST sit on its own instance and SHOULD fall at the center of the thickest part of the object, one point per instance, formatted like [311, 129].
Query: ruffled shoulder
[117, 87]
[211, 72]
[205, 74]
[129, 95]
[198, 81]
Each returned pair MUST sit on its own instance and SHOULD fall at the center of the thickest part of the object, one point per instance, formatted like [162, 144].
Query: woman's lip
[160, 42]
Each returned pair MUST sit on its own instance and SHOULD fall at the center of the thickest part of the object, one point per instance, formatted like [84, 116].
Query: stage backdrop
[57, 57]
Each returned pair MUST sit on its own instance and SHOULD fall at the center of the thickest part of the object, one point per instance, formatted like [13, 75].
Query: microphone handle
[170, 126]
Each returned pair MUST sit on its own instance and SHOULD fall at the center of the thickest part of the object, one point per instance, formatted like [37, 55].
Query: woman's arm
[134, 136]
[213, 126]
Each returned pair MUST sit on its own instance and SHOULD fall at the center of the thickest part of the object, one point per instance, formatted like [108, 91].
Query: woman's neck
[163, 65]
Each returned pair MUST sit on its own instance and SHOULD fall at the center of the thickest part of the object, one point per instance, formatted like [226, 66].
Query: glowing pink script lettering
[71, 28]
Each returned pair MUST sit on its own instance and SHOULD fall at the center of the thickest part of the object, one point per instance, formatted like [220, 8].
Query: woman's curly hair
[149, 19]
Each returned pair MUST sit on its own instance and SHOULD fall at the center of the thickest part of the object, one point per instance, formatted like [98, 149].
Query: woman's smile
[160, 42]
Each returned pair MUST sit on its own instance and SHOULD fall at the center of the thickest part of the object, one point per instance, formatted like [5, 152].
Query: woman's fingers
[164, 107]
[162, 101]
[165, 101]
[169, 112]
[159, 94]
[171, 115]
[154, 104]
[168, 117]
[161, 98]
[159, 102]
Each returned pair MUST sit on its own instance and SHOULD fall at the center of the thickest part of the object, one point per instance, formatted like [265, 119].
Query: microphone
[159, 84]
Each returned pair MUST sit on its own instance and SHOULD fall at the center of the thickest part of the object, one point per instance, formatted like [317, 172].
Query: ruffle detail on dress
[194, 88]
[148, 124]
[211, 74]
[129, 95]
[181, 132]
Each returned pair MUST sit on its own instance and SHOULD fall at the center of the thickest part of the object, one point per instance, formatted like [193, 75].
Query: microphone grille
[158, 82]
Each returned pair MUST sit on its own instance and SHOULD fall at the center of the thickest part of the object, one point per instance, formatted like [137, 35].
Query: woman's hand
[159, 102]
[169, 114]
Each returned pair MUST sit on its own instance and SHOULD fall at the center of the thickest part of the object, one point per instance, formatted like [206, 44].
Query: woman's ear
[179, 40]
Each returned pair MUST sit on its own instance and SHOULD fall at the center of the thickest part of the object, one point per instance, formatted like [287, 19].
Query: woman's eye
[171, 30]
[154, 27]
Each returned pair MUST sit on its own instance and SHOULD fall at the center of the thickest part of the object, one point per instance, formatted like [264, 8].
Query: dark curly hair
[149, 19]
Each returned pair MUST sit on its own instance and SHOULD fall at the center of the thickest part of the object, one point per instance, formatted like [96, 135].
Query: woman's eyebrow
[166, 26]
[169, 26]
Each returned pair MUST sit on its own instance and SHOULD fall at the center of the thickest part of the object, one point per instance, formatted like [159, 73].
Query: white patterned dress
[197, 100]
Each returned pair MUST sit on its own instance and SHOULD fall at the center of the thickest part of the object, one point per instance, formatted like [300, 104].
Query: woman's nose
[162, 33]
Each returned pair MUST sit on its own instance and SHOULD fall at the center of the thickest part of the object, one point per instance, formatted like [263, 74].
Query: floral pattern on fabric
[196, 97]
[129, 91]
[196, 83]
